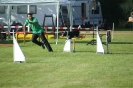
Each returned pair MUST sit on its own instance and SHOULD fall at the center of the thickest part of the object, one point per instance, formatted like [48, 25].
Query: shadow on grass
[89, 42]
[85, 51]
[57, 42]
[120, 43]
[122, 53]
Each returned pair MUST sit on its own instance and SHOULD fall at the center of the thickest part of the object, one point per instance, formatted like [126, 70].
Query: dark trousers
[44, 40]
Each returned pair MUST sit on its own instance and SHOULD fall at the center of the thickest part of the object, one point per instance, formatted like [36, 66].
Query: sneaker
[51, 51]
[43, 46]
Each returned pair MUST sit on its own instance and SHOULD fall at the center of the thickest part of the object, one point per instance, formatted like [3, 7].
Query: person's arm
[24, 27]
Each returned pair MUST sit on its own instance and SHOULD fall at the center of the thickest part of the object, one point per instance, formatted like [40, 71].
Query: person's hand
[24, 26]
[24, 32]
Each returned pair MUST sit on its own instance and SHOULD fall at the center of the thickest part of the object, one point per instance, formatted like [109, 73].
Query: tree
[127, 8]
[112, 10]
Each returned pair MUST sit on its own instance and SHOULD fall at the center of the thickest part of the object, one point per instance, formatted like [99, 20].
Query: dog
[71, 34]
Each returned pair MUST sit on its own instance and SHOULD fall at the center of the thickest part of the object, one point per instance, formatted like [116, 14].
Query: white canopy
[30, 1]
[34, 2]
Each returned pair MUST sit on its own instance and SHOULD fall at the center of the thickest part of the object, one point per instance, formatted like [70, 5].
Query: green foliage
[82, 69]
[116, 11]
[127, 8]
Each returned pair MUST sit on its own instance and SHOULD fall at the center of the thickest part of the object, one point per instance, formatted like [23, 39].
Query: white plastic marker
[67, 47]
[17, 52]
[100, 48]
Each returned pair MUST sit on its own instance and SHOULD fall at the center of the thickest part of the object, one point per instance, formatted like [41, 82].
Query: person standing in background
[85, 21]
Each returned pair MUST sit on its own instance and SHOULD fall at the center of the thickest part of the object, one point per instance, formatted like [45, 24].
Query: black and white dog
[73, 33]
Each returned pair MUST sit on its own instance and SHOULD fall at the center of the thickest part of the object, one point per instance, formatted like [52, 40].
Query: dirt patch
[6, 44]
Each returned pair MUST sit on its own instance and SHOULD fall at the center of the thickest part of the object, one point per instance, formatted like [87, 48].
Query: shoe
[50, 51]
[43, 46]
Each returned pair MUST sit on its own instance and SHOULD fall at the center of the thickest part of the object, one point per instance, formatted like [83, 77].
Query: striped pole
[60, 28]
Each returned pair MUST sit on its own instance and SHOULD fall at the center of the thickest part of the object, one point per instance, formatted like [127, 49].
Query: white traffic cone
[100, 48]
[17, 52]
[67, 47]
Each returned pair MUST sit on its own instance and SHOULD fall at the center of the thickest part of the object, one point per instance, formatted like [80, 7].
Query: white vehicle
[80, 9]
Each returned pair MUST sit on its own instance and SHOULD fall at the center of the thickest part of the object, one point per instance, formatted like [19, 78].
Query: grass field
[82, 69]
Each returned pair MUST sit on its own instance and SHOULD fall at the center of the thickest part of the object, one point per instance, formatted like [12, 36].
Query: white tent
[10, 3]
[25, 2]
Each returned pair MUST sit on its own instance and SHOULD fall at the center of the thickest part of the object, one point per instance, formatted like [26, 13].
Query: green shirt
[36, 28]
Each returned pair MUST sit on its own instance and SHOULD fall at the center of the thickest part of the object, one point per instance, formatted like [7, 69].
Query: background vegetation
[117, 11]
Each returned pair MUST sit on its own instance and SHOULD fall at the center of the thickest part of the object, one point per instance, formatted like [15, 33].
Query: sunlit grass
[82, 69]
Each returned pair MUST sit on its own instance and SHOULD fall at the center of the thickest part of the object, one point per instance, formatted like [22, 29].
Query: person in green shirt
[37, 31]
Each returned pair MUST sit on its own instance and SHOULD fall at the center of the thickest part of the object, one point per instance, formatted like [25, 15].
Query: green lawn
[82, 69]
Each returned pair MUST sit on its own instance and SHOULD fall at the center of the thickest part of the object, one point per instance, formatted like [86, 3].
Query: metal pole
[113, 31]
[57, 10]
[93, 26]
[9, 19]
[107, 40]
[28, 10]
[71, 16]
[74, 44]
